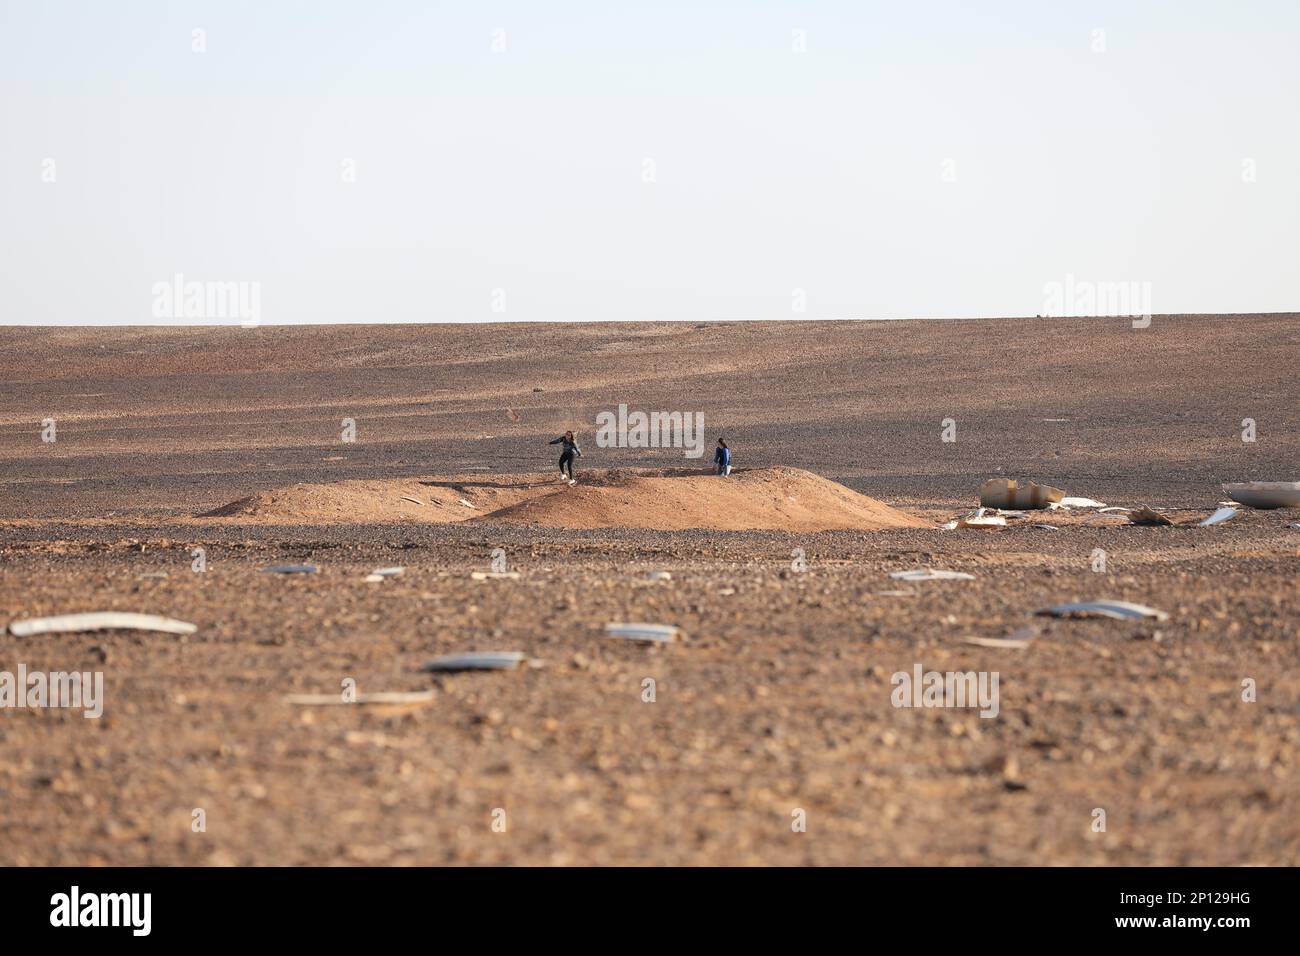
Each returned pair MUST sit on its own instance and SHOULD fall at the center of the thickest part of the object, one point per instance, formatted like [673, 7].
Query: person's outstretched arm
[556, 441]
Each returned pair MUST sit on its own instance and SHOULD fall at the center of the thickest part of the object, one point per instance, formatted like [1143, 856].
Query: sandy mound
[785, 499]
[437, 500]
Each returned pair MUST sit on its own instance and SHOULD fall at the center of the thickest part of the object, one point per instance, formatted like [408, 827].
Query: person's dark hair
[722, 442]
[568, 434]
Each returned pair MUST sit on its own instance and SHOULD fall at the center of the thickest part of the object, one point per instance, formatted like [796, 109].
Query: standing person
[567, 454]
[722, 458]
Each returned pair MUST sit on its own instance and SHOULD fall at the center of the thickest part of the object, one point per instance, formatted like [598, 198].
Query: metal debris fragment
[1070, 502]
[643, 633]
[1265, 494]
[983, 522]
[100, 621]
[1223, 514]
[478, 661]
[928, 574]
[1007, 493]
[1148, 516]
[416, 501]
[381, 697]
[1119, 610]
[292, 569]
[1017, 641]
[494, 575]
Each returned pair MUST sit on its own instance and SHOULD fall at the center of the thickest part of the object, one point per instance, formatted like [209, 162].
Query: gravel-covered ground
[775, 708]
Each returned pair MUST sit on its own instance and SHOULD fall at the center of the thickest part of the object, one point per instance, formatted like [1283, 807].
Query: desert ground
[771, 738]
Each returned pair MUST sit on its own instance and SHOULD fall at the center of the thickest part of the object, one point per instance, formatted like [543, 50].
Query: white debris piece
[494, 575]
[1080, 503]
[1017, 641]
[381, 697]
[100, 621]
[927, 574]
[1265, 494]
[415, 501]
[643, 633]
[1223, 514]
[465, 503]
[982, 521]
[1120, 610]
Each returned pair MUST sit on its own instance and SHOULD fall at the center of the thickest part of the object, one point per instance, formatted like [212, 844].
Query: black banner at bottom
[352, 906]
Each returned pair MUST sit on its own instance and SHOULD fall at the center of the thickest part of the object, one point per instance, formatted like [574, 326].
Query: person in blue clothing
[722, 458]
[567, 454]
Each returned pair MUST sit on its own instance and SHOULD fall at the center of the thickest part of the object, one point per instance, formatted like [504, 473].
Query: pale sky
[927, 159]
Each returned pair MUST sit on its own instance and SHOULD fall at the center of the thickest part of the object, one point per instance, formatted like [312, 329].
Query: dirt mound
[435, 500]
[784, 499]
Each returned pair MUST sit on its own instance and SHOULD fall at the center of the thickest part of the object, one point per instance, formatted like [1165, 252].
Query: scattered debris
[927, 574]
[494, 575]
[153, 575]
[478, 661]
[643, 633]
[465, 503]
[1120, 610]
[981, 520]
[1223, 514]
[292, 569]
[1017, 641]
[659, 576]
[897, 593]
[1080, 503]
[100, 621]
[1047, 527]
[727, 592]
[1265, 494]
[1148, 516]
[1113, 510]
[416, 501]
[382, 697]
[1007, 493]
[512, 414]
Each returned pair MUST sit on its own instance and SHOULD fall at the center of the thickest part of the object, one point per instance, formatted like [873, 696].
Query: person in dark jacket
[722, 458]
[569, 452]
